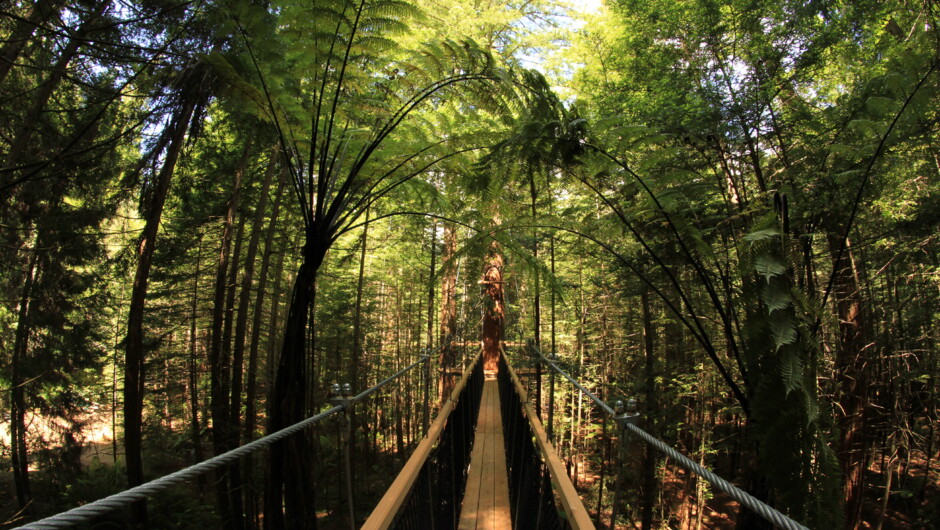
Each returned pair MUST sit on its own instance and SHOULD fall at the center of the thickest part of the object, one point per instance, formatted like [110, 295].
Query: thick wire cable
[759, 507]
[87, 512]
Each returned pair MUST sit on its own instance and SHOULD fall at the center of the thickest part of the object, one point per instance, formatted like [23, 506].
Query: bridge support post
[551, 401]
[623, 417]
[427, 391]
[344, 398]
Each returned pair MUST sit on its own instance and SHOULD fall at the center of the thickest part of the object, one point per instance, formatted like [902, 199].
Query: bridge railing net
[531, 497]
[434, 498]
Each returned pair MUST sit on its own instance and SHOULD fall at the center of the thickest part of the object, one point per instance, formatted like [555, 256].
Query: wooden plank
[577, 514]
[502, 513]
[385, 511]
[487, 483]
[471, 498]
[486, 501]
[468, 513]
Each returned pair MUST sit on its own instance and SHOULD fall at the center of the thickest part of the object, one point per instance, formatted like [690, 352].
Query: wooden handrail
[385, 511]
[574, 509]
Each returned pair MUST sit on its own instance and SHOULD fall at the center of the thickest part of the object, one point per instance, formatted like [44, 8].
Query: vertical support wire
[531, 501]
[429, 501]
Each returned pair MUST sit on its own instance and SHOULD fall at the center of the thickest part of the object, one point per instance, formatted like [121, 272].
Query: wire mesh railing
[533, 466]
[428, 491]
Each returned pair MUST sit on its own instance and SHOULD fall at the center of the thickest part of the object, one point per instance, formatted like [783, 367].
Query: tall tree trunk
[551, 375]
[495, 312]
[236, 488]
[537, 314]
[134, 375]
[448, 324]
[244, 294]
[426, 374]
[399, 363]
[357, 318]
[193, 362]
[18, 449]
[852, 380]
[289, 460]
[647, 502]
[433, 268]
[251, 391]
[219, 350]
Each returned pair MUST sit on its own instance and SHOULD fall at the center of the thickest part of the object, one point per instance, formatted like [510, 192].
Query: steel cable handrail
[87, 512]
[746, 499]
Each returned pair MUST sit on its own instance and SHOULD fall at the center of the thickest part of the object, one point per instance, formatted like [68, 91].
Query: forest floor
[908, 508]
[914, 499]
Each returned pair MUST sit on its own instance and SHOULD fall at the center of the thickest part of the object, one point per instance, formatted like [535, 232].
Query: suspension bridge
[485, 462]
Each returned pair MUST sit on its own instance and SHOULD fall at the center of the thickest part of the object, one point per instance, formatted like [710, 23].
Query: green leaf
[769, 266]
[896, 83]
[776, 297]
[791, 372]
[761, 235]
[846, 151]
[783, 331]
[881, 105]
[863, 126]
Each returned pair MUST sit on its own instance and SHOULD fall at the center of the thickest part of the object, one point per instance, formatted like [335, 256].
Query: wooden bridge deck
[486, 500]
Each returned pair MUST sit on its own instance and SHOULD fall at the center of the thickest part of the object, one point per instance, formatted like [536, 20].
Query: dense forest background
[211, 211]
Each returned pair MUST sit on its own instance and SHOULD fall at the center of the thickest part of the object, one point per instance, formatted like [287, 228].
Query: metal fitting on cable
[342, 396]
[626, 414]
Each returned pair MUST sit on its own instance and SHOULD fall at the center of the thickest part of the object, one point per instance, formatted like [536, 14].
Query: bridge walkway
[486, 498]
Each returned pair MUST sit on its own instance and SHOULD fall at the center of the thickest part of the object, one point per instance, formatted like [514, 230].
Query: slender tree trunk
[241, 324]
[18, 448]
[251, 391]
[537, 314]
[229, 367]
[852, 380]
[134, 375]
[448, 324]
[193, 362]
[399, 363]
[551, 376]
[356, 360]
[219, 350]
[430, 327]
[236, 489]
[357, 318]
[652, 410]
[426, 373]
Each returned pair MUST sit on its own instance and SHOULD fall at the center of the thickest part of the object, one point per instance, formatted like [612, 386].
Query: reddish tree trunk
[495, 311]
[852, 379]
